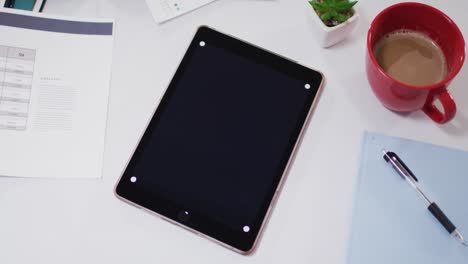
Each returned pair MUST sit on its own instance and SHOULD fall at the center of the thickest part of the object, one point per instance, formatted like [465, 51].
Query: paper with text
[54, 86]
[163, 10]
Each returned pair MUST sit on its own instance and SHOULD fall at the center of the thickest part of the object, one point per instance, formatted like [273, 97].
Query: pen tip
[460, 238]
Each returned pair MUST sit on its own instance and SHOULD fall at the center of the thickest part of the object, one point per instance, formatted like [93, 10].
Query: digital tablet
[215, 152]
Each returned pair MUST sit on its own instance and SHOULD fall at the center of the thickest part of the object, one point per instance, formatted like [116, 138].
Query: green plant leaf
[326, 16]
[340, 18]
[318, 7]
[333, 13]
[344, 6]
[337, 10]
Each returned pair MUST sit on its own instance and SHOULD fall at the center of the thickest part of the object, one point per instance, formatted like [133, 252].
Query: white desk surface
[80, 221]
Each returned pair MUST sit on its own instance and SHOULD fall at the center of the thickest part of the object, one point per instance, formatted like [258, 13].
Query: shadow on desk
[458, 126]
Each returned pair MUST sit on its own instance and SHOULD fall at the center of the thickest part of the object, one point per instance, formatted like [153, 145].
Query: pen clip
[394, 156]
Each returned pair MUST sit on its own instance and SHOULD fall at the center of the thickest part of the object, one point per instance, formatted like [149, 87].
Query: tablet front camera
[183, 216]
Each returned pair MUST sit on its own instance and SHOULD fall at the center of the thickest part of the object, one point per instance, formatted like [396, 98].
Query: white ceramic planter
[329, 36]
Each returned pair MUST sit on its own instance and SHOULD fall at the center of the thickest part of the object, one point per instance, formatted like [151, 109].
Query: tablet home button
[183, 216]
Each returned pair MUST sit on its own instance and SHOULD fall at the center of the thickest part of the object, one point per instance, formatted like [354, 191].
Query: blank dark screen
[217, 147]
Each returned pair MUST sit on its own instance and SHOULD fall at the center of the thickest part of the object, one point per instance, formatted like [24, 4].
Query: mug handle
[450, 108]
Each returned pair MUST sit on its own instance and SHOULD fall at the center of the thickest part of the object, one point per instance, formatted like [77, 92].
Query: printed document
[164, 10]
[54, 85]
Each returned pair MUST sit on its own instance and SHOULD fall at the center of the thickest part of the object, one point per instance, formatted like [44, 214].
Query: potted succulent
[335, 20]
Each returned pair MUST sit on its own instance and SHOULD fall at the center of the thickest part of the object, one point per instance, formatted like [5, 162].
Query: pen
[408, 175]
[42, 6]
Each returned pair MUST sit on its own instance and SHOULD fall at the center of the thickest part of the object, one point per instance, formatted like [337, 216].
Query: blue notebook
[391, 223]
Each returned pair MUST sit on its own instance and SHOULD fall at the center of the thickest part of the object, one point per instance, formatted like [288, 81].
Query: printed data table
[16, 75]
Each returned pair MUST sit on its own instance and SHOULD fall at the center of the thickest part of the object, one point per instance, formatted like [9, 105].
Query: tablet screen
[215, 151]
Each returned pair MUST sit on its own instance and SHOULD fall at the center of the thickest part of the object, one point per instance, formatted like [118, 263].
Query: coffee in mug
[411, 57]
[414, 51]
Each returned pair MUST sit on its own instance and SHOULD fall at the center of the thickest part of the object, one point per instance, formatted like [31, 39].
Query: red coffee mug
[402, 97]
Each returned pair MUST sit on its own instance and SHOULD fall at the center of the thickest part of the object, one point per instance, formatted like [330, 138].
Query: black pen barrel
[441, 217]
